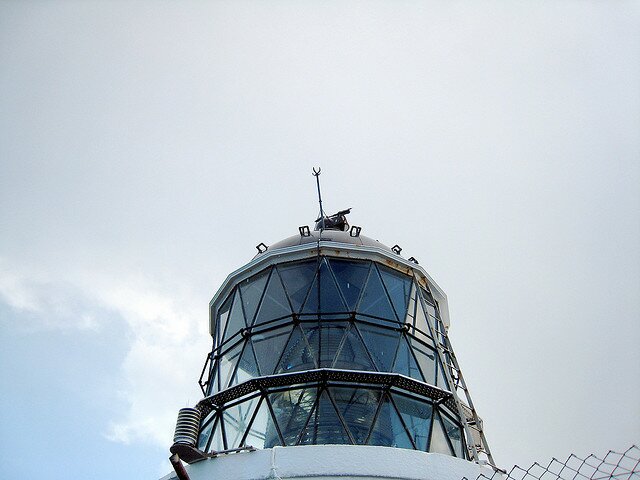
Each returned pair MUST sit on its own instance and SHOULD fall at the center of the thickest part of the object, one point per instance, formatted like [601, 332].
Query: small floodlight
[396, 249]
[355, 231]
[304, 231]
[261, 247]
[413, 259]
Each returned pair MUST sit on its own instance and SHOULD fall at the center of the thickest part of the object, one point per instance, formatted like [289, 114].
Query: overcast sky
[147, 147]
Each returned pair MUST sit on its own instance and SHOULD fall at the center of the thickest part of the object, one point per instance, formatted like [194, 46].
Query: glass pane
[205, 432]
[292, 409]
[331, 335]
[374, 299]
[324, 426]
[455, 435]
[251, 290]
[382, 344]
[406, 363]
[312, 332]
[330, 298]
[442, 379]
[439, 443]
[236, 421]
[417, 418]
[398, 288]
[350, 276]
[426, 360]
[262, 433]
[274, 303]
[388, 430]
[247, 366]
[268, 347]
[212, 384]
[236, 318]
[421, 323]
[353, 355]
[297, 355]
[411, 310]
[217, 444]
[297, 280]
[223, 316]
[312, 303]
[228, 365]
[358, 408]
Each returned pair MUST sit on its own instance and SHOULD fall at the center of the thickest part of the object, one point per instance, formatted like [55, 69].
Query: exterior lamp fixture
[304, 231]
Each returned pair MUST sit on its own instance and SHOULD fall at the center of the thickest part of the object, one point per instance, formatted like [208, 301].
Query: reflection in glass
[417, 418]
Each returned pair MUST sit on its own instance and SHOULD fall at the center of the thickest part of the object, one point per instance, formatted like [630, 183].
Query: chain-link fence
[614, 465]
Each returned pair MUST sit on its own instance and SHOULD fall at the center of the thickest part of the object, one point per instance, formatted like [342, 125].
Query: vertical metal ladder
[476, 440]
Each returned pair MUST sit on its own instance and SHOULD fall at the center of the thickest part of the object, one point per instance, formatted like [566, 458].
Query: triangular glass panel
[247, 367]
[350, 276]
[353, 354]
[324, 426]
[212, 384]
[312, 302]
[291, 409]
[411, 309]
[227, 366]
[268, 347]
[423, 328]
[251, 290]
[236, 318]
[398, 287]
[297, 278]
[307, 435]
[426, 360]
[297, 355]
[274, 303]
[358, 408]
[330, 298]
[455, 435]
[442, 379]
[388, 430]
[439, 442]
[405, 363]
[374, 300]
[205, 432]
[223, 317]
[382, 344]
[236, 421]
[417, 418]
[262, 433]
[331, 335]
[312, 332]
[217, 444]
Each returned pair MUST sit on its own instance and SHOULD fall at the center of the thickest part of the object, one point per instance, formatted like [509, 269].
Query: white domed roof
[338, 236]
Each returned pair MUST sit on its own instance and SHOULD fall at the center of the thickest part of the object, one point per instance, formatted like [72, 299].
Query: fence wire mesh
[614, 465]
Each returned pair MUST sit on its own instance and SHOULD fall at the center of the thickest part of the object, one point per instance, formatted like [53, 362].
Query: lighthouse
[330, 359]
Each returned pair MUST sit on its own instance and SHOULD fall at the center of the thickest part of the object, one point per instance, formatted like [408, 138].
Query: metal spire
[316, 173]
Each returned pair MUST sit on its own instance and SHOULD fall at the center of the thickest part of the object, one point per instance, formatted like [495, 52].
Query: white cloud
[166, 332]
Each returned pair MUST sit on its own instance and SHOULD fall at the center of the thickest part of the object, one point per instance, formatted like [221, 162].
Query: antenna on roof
[316, 173]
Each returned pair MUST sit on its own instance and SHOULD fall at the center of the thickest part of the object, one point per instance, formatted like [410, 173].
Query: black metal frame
[389, 385]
